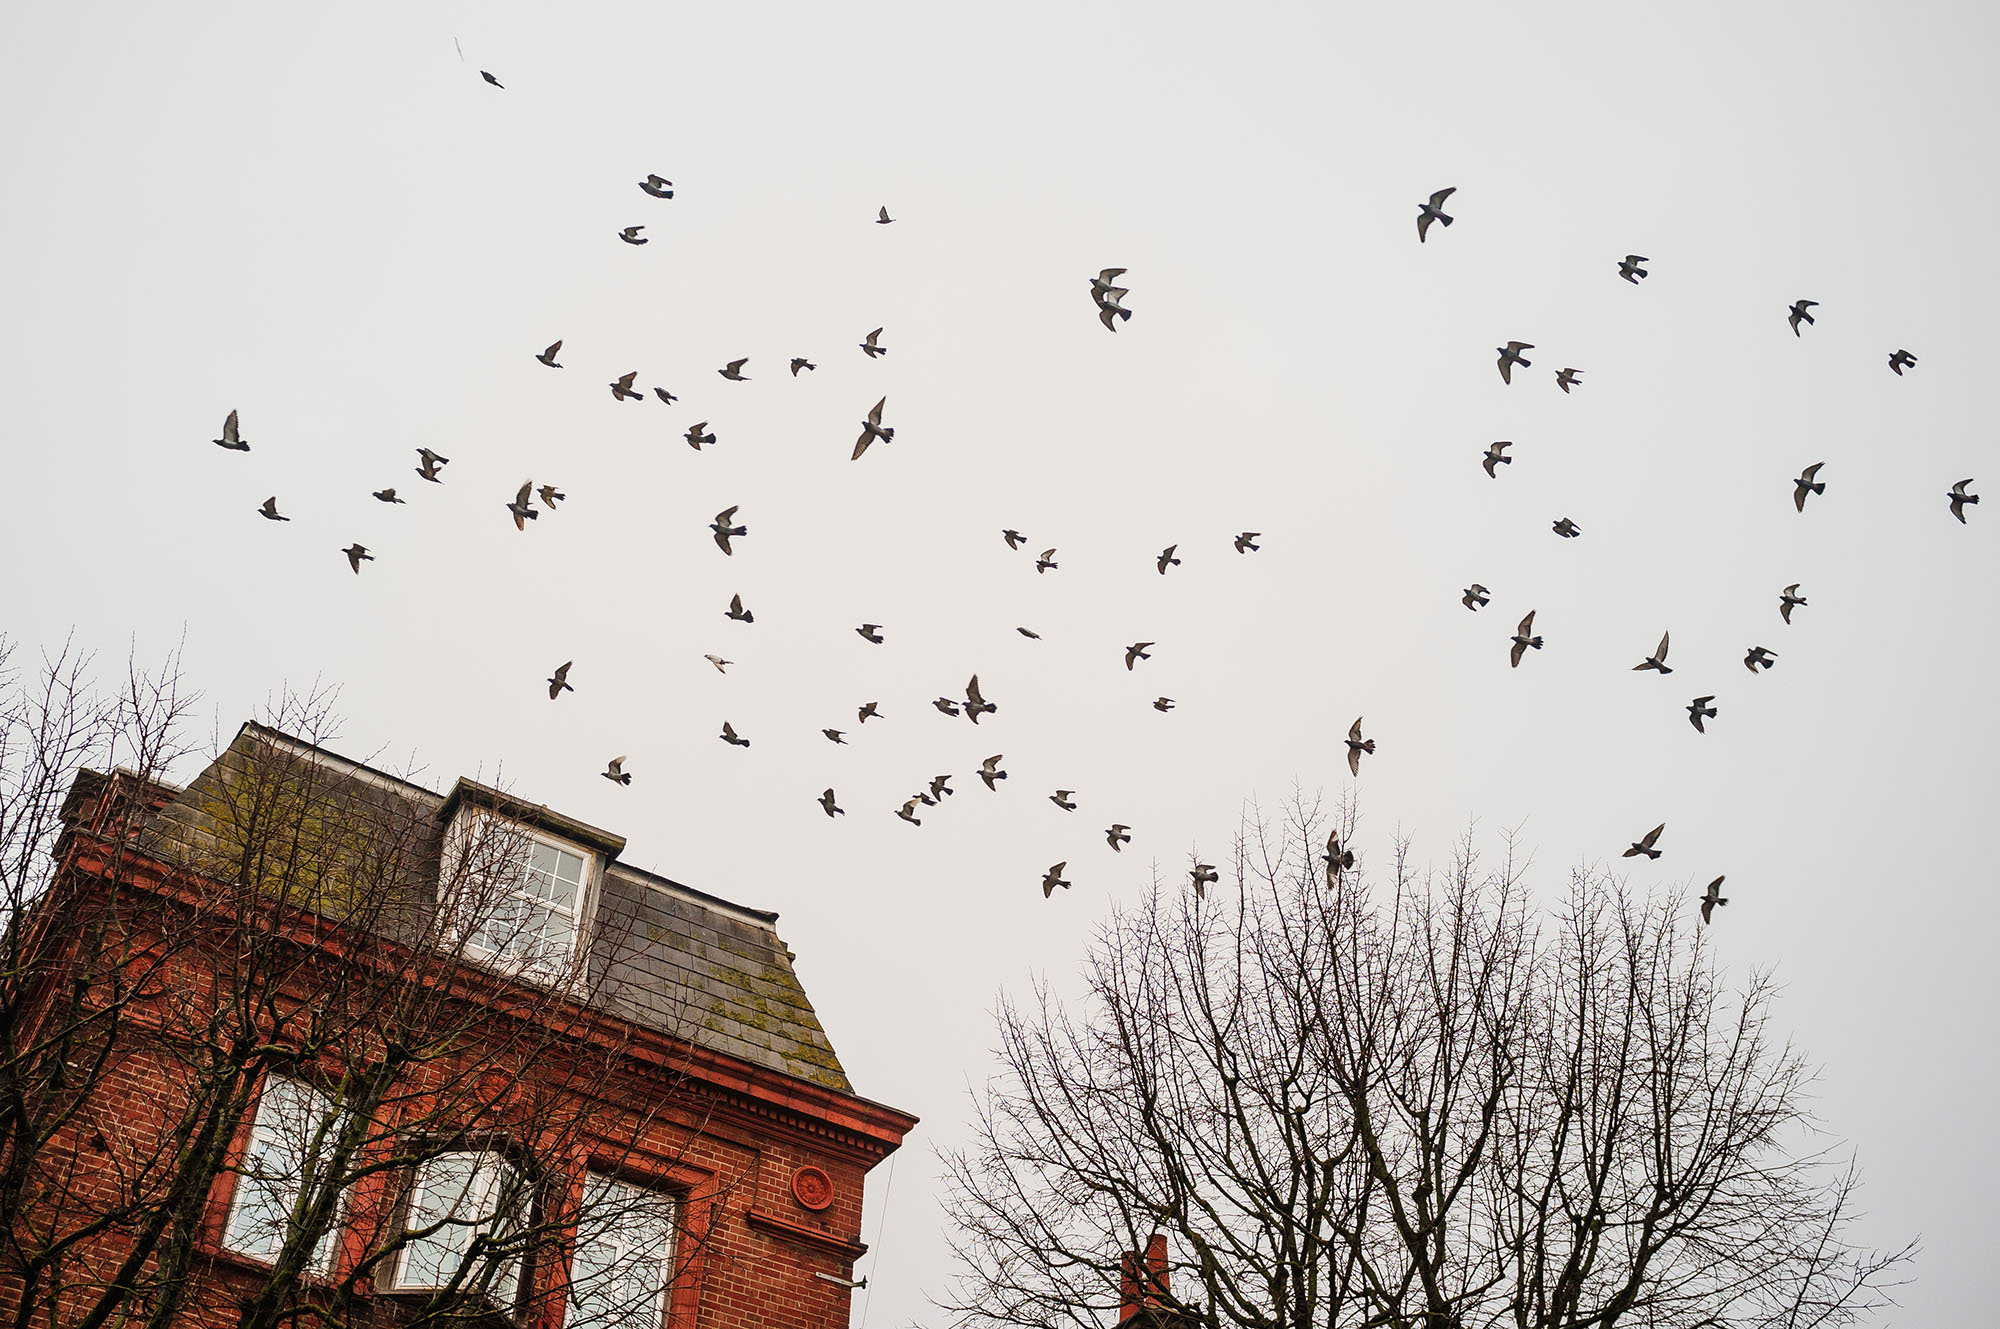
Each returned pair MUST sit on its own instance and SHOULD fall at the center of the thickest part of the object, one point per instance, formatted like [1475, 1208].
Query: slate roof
[663, 954]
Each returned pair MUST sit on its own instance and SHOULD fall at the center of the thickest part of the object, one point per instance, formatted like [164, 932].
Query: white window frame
[547, 966]
[271, 1172]
[623, 1257]
[490, 1176]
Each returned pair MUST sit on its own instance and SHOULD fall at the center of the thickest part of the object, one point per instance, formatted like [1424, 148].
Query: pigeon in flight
[1496, 456]
[1806, 484]
[388, 496]
[730, 737]
[1959, 498]
[800, 362]
[1047, 561]
[1475, 597]
[946, 705]
[428, 463]
[1061, 798]
[733, 371]
[696, 437]
[1658, 659]
[1788, 600]
[523, 506]
[1567, 529]
[494, 81]
[872, 429]
[1629, 269]
[1246, 542]
[883, 218]
[1109, 311]
[1337, 860]
[1356, 745]
[1029, 633]
[869, 711]
[1799, 314]
[1644, 844]
[721, 665]
[830, 807]
[657, 186]
[1567, 379]
[1105, 282]
[622, 389]
[230, 439]
[870, 348]
[723, 530]
[1167, 559]
[1524, 640]
[1202, 876]
[1054, 878]
[908, 812]
[1163, 704]
[1013, 538]
[870, 632]
[614, 771]
[941, 787]
[1712, 898]
[1115, 836]
[1759, 658]
[667, 398]
[1902, 360]
[269, 510]
[835, 736]
[1136, 652]
[1510, 355]
[990, 772]
[1699, 710]
[357, 555]
[976, 705]
[737, 612]
[548, 357]
[630, 235]
[559, 681]
[1433, 211]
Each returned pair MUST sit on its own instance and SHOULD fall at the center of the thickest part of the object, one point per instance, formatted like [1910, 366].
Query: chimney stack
[1142, 1292]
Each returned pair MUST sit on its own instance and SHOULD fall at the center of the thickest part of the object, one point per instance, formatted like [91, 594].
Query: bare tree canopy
[1421, 1100]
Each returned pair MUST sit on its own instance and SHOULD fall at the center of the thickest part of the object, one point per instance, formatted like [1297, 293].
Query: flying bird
[883, 218]
[1167, 559]
[1629, 269]
[1105, 282]
[870, 632]
[230, 439]
[1136, 652]
[1047, 561]
[719, 663]
[428, 463]
[1013, 538]
[1054, 878]
[1246, 542]
[696, 437]
[835, 736]
[870, 348]
[630, 235]
[733, 371]
[1567, 379]
[990, 772]
[494, 81]
[946, 705]
[723, 530]
[872, 429]
[1510, 355]
[1496, 456]
[1699, 710]
[737, 612]
[908, 812]
[1902, 360]
[1337, 859]
[869, 711]
[1788, 600]
[357, 555]
[621, 390]
[667, 397]
[1644, 844]
[388, 496]
[1475, 597]
[1356, 745]
[829, 807]
[1115, 836]
[1433, 211]
[941, 787]
[1658, 659]
[1799, 314]
[523, 506]
[550, 496]
[1806, 484]
[1029, 633]
[1524, 640]
[1201, 876]
[1567, 529]
[729, 736]
[1712, 898]
[1109, 310]
[268, 510]
[1061, 798]
[548, 357]
[657, 186]
[1959, 498]
[976, 705]
[1759, 658]
[800, 362]
[1163, 704]
[559, 681]
[614, 771]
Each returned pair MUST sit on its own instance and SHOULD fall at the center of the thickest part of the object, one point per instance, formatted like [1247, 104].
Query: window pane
[624, 1256]
[462, 1195]
[290, 1115]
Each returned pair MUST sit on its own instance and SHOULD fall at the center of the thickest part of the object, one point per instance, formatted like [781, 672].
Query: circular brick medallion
[812, 1188]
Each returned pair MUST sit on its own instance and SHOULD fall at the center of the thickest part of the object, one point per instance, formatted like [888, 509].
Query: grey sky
[322, 218]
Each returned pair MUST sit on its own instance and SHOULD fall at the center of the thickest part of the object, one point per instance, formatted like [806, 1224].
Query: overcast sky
[321, 217]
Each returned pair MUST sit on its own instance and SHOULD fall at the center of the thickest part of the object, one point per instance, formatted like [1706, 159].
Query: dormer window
[517, 894]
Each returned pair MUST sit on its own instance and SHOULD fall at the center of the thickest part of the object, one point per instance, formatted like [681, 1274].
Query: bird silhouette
[1356, 745]
[696, 435]
[548, 357]
[828, 806]
[1788, 600]
[614, 771]
[667, 398]
[1901, 360]
[1136, 652]
[1629, 269]
[523, 506]
[800, 362]
[428, 463]
[1013, 538]
[724, 531]
[268, 510]
[1475, 597]
[550, 496]
[1644, 844]
[1759, 658]
[835, 736]
[494, 81]
[559, 680]
[946, 705]
[1246, 542]
[1433, 211]
[1524, 641]
[737, 613]
[1959, 498]
[990, 772]
[1496, 456]
[1336, 859]
[1567, 529]
[1202, 876]
[1115, 836]
[1061, 798]
[1510, 355]
[356, 556]
[941, 787]
[658, 186]
[1806, 484]
[1054, 878]
[1658, 659]
[1699, 710]
[871, 348]
[1109, 311]
[1163, 704]
[872, 429]
[388, 496]
[733, 371]
[621, 389]
[908, 812]
[1712, 897]
[883, 218]
[1047, 561]
[231, 438]
[870, 632]
[1167, 559]
[730, 736]
[1568, 378]
[721, 665]
[1105, 282]
[630, 235]
[1029, 633]
[976, 705]
[869, 711]
[1799, 314]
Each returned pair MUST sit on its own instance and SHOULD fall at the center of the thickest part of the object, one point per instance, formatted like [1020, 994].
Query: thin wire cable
[888, 1186]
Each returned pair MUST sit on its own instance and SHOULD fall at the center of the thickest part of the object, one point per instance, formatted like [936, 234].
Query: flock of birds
[530, 501]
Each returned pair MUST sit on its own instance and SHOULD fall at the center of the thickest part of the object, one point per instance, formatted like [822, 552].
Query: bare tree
[1418, 1102]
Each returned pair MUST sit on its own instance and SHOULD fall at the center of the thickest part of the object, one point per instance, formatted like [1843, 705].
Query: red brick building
[319, 1046]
